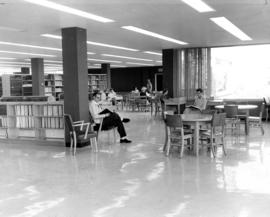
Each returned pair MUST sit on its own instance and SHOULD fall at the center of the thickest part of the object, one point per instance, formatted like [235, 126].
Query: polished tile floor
[136, 180]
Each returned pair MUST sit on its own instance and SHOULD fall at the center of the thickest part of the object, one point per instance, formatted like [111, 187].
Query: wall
[125, 79]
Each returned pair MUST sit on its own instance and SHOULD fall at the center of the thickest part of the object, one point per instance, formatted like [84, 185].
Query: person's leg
[115, 121]
[105, 111]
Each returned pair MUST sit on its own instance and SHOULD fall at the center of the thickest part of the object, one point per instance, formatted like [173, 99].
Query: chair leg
[182, 147]
[212, 148]
[168, 146]
[262, 129]
[75, 146]
[223, 146]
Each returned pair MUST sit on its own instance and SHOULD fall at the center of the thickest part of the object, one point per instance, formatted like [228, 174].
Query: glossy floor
[136, 180]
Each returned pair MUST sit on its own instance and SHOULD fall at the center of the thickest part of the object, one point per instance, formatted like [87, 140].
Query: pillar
[37, 67]
[74, 52]
[106, 69]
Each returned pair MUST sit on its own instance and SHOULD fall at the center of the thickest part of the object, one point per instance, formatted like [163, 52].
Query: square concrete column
[37, 67]
[106, 69]
[172, 72]
[74, 51]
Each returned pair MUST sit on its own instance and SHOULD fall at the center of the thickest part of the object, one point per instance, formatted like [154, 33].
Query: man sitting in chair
[199, 103]
[110, 119]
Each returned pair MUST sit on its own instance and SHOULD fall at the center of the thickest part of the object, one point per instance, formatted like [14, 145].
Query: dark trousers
[113, 120]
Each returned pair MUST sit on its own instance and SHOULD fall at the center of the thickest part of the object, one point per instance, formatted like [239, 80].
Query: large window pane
[241, 72]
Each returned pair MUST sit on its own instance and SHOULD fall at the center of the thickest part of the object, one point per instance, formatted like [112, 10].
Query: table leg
[196, 139]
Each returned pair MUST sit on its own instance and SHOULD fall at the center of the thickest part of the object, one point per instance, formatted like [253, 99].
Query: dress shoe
[125, 141]
[126, 120]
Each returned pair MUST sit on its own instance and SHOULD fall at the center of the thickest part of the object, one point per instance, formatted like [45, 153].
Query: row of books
[26, 110]
[52, 122]
[53, 110]
[25, 122]
[3, 122]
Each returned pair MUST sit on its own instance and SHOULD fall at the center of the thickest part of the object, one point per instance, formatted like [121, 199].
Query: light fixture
[159, 61]
[154, 53]
[7, 58]
[146, 32]
[9, 62]
[224, 23]
[199, 5]
[100, 60]
[144, 64]
[113, 65]
[90, 53]
[126, 57]
[24, 53]
[93, 43]
[69, 10]
[28, 45]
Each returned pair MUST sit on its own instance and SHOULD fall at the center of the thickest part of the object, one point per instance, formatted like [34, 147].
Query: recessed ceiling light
[24, 53]
[28, 45]
[113, 65]
[111, 46]
[199, 5]
[69, 10]
[159, 61]
[100, 60]
[144, 64]
[125, 57]
[93, 43]
[154, 53]
[7, 58]
[9, 62]
[146, 32]
[231, 28]
[90, 53]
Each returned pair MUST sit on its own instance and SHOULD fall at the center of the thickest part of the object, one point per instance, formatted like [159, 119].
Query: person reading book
[109, 118]
[199, 103]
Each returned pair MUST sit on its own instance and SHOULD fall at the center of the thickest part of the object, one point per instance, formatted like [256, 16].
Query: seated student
[199, 103]
[135, 90]
[112, 96]
[144, 92]
[109, 118]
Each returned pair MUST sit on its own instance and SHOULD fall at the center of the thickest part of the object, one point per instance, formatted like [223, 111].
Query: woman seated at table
[144, 92]
[199, 103]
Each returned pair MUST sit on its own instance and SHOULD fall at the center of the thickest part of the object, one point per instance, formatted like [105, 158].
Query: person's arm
[94, 110]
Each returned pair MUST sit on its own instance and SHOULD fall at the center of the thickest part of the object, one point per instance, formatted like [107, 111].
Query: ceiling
[23, 22]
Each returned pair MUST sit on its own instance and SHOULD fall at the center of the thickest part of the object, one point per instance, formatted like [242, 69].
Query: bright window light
[92, 43]
[230, 27]
[100, 60]
[24, 53]
[146, 32]
[154, 53]
[144, 64]
[125, 57]
[198, 5]
[69, 10]
[28, 45]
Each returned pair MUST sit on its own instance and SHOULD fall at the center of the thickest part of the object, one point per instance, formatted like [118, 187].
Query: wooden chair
[142, 103]
[256, 120]
[175, 133]
[79, 136]
[232, 120]
[91, 119]
[217, 131]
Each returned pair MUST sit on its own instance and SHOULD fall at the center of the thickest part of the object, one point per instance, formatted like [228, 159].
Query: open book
[193, 107]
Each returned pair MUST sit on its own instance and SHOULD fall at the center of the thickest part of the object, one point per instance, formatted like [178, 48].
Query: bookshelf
[97, 81]
[27, 85]
[38, 120]
[53, 84]
[16, 85]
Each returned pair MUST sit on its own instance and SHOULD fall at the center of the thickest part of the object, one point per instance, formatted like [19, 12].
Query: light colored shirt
[200, 102]
[95, 109]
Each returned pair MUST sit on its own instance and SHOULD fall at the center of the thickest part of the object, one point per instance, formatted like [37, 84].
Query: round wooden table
[196, 120]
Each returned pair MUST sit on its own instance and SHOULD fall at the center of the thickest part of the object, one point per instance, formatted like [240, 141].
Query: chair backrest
[173, 121]
[91, 119]
[68, 122]
[209, 111]
[231, 110]
[218, 119]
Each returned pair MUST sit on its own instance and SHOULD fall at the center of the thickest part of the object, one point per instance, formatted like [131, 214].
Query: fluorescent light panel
[28, 45]
[7, 58]
[144, 64]
[113, 65]
[93, 43]
[156, 35]
[69, 10]
[125, 57]
[24, 53]
[198, 5]
[224, 23]
[100, 60]
[154, 53]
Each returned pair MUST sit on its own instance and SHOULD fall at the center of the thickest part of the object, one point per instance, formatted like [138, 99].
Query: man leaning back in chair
[110, 119]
